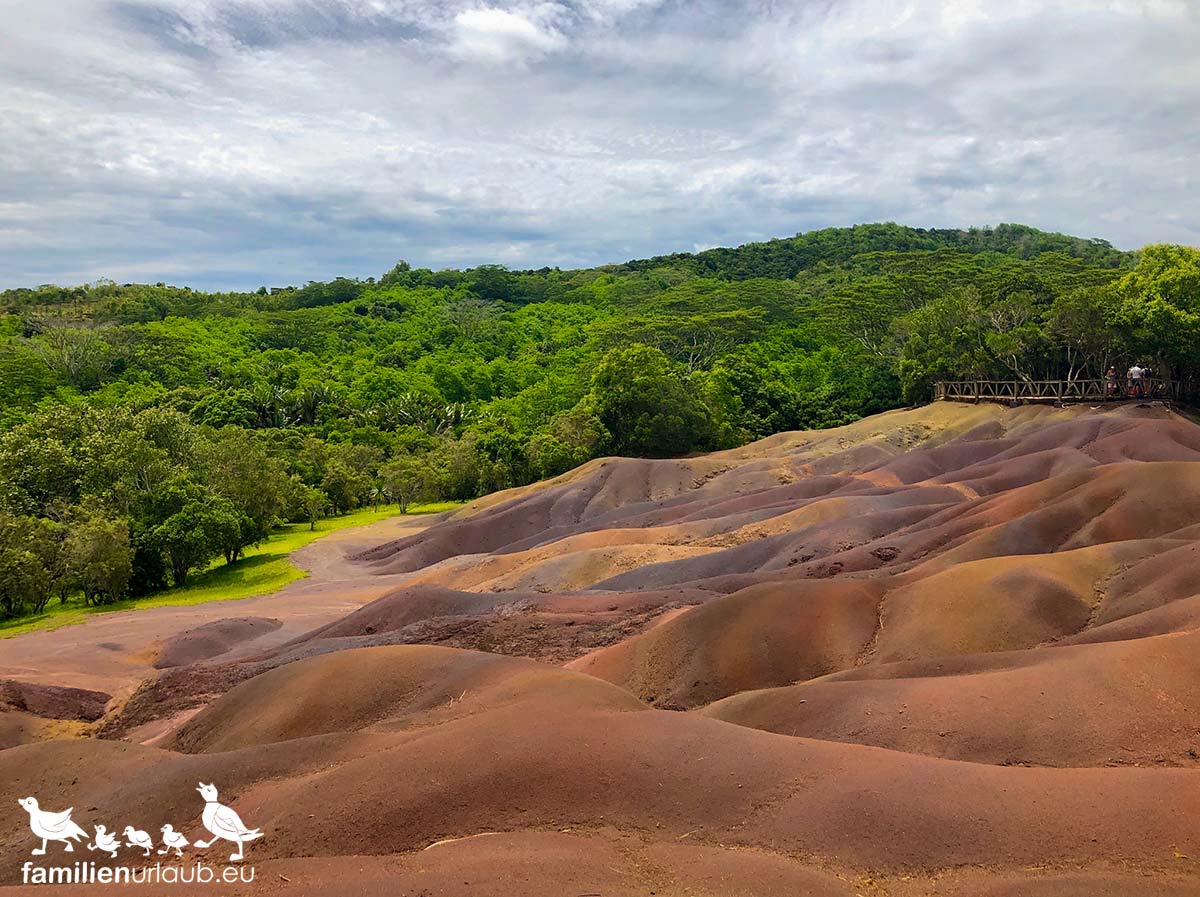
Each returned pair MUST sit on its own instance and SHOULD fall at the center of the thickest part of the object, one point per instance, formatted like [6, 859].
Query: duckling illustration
[105, 841]
[172, 840]
[224, 823]
[137, 838]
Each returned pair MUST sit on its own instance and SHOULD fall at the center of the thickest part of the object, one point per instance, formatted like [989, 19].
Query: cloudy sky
[233, 143]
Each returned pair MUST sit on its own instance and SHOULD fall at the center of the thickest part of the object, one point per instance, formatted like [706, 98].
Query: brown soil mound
[772, 633]
[51, 701]
[211, 640]
[392, 686]
[542, 759]
[946, 651]
[409, 605]
[555, 628]
[551, 864]
[1115, 703]
[18, 727]
[998, 604]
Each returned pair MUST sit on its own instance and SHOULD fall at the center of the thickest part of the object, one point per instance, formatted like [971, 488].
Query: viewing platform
[1092, 390]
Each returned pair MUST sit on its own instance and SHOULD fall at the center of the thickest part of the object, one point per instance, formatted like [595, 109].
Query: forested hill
[785, 258]
[151, 413]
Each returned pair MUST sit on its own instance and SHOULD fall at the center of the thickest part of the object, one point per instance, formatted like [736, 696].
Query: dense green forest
[147, 430]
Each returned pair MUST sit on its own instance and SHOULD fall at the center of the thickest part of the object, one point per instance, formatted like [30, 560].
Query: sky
[238, 143]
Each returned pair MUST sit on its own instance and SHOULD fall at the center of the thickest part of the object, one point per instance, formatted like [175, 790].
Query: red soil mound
[958, 485]
[1168, 574]
[390, 686]
[52, 701]
[924, 653]
[409, 605]
[1180, 615]
[211, 640]
[998, 604]
[772, 633]
[550, 864]
[543, 759]
[1127, 702]
[556, 628]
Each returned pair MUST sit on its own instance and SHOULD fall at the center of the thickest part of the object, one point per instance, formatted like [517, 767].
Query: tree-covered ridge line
[785, 258]
[777, 259]
[146, 429]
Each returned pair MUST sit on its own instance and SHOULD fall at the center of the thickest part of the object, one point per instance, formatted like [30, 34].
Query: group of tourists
[1137, 381]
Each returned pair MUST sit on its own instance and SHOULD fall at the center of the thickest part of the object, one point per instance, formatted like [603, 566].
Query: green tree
[196, 534]
[100, 558]
[1014, 334]
[410, 480]
[1080, 322]
[458, 467]
[240, 471]
[28, 549]
[549, 456]
[943, 340]
[82, 355]
[315, 504]
[343, 486]
[494, 283]
[692, 341]
[580, 429]
[1159, 306]
[646, 406]
[470, 316]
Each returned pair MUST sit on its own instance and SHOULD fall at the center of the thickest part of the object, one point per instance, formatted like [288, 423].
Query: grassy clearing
[263, 569]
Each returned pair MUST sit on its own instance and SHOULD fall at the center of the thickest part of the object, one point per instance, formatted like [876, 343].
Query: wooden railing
[1055, 390]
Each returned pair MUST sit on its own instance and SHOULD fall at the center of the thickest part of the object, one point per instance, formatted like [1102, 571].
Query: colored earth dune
[947, 651]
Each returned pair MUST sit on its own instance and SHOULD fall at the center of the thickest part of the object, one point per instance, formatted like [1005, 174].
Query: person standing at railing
[1137, 387]
[1111, 387]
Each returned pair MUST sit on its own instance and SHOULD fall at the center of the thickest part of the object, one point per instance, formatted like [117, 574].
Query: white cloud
[236, 142]
[500, 35]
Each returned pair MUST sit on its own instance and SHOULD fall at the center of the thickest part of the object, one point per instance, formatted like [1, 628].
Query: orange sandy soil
[948, 651]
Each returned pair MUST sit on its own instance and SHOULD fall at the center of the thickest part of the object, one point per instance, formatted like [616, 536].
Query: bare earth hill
[948, 651]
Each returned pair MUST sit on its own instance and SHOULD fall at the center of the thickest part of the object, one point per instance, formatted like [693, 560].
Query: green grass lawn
[263, 569]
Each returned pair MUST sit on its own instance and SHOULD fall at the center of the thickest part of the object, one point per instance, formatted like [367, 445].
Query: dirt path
[113, 652]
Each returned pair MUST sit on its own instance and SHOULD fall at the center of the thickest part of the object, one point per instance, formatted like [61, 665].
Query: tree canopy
[147, 430]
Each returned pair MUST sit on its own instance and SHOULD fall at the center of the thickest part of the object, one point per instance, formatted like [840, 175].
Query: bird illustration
[105, 841]
[223, 823]
[172, 840]
[138, 838]
[51, 826]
